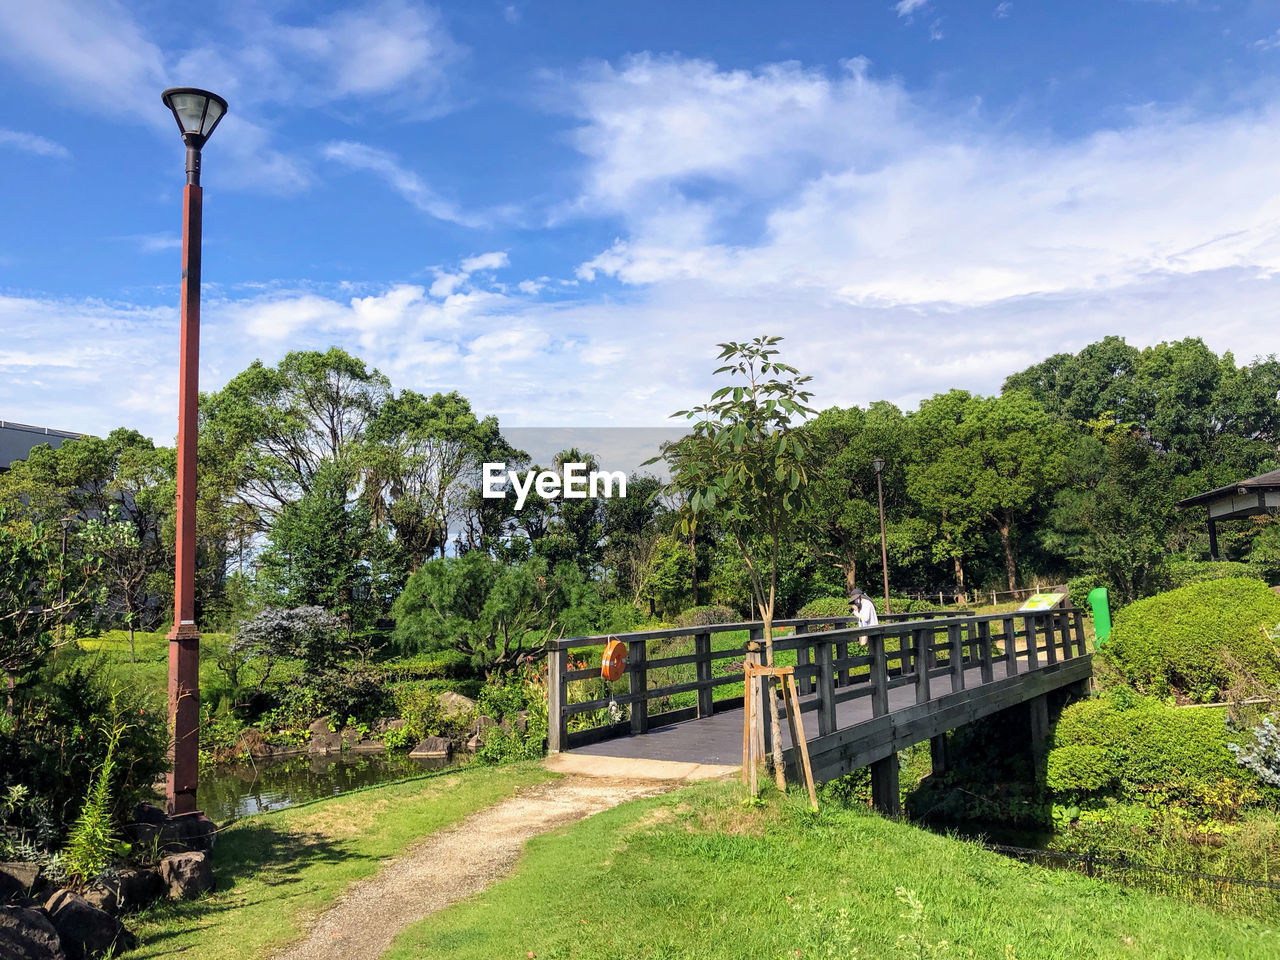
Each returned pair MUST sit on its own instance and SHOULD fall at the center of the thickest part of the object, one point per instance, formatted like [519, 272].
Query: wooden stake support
[752, 747]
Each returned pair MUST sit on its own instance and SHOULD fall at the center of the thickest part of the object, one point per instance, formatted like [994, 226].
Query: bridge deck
[718, 739]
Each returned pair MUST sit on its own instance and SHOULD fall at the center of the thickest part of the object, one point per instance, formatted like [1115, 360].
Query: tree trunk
[8, 709]
[1006, 538]
[775, 727]
[961, 596]
[850, 568]
[132, 657]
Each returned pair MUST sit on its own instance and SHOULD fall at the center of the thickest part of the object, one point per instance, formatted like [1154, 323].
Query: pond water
[229, 790]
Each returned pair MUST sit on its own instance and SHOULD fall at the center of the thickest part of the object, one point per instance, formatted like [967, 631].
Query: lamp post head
[878, 464]
[197, 111]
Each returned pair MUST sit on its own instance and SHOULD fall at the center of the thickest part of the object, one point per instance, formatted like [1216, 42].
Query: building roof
[18, 439]
[1247, 498]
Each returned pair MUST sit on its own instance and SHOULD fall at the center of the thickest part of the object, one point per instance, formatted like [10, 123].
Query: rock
[482, 724]
[186, 875]
[323, 740]
[86, 931]
[386, 726]
[17, 880]
[188, 831]
[452, 704]
[27, 934]
[138, 886]
[432, 748]
[474, 743]
[105, 895]
[522, 721]
[369, 746]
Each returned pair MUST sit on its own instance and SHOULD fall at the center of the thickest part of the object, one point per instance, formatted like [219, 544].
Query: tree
[275, 429]
[310, 634]
[842, 518]
[317, 551]
[745, 464]
[498, 615]
[40, 589]
[421, 456]
[123, 567]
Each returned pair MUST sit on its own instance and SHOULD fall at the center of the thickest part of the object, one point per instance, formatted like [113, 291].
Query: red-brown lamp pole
[197, 113]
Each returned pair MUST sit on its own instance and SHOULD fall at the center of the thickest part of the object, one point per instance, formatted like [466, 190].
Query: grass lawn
[694, 874]
[150, 667]
[277, 870]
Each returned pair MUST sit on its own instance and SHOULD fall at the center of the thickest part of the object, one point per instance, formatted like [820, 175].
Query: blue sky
[559, 208]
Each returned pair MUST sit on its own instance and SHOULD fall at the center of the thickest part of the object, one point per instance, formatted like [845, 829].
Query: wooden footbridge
[866, 692]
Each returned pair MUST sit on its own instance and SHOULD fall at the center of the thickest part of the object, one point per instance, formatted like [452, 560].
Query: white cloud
[156, 242]
[360, 156]
[904, 8]
[486, 261]
[32, 143]
[1002, 10]
[1269, 43]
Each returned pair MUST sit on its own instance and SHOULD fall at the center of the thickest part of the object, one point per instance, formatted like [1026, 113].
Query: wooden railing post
[1010, 628]
[879, 675]
[557, 700]
[955, 640]
[1051, 637]
[638, 662]
[759, 691]
[824, 652]
[1033, 641]
[1078, 617]
[922, 639]
[802, 659]
[702, 648]
[984, 651]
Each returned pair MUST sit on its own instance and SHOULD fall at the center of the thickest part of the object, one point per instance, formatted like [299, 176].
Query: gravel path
[453, 864]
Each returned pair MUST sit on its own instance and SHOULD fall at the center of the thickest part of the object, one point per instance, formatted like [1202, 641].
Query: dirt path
[455, 863]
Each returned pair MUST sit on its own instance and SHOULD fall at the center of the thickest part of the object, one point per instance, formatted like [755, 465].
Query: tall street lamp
[198, 113]
[878, 465]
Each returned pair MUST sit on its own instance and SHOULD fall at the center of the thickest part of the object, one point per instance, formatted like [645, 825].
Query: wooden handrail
[832, 665]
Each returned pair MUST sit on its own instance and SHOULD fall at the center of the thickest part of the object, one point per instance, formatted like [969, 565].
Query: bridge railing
[683, 673]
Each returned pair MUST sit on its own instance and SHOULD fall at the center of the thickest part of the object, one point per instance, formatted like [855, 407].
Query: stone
[188, 831]
[522, 721]
[86, 931]
[323, 740]
[138, 886]
[482, 724]
[27, 934]
[386, 726]
[369, 746]
[17, 880]
[474, 743]
[432, 748]
[452, 704]
[186, 875]
[105, 895]
[149, 813]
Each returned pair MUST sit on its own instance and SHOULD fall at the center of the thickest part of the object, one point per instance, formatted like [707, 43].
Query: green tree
[498, 615]
[124, 569]
[40, 589]
[745, 464]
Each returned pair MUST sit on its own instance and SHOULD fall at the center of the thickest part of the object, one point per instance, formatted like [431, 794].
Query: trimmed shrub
[1194, 638]
[825, 607]
[706, 616]
[1138, 748]
[1187, 572]
[1079, 588]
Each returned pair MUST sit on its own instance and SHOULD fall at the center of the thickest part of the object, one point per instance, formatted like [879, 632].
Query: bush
[1138, 748]
[60, 735]
[1079, 588]
[706, 616]
[1187, 572]
[421, 712]
[825, 607]
[1195, 638]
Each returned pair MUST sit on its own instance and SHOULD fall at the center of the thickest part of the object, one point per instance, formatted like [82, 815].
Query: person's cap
[856, 595]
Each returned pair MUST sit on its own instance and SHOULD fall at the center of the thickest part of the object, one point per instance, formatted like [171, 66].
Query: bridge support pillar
[884, 786]
[1038, 728]
[941, 760]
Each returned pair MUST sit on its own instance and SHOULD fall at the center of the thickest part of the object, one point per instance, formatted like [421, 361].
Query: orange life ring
[614, 660]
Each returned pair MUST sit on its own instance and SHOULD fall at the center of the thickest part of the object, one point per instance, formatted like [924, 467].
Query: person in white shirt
[862, 607]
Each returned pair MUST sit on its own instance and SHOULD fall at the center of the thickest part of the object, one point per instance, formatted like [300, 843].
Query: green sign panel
[1043, 601]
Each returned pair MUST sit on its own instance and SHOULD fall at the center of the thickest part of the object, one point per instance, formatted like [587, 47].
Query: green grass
[150, 666]
[276, 871]
[694, 874]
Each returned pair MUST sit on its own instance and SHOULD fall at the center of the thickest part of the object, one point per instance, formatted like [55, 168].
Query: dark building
[18, 439]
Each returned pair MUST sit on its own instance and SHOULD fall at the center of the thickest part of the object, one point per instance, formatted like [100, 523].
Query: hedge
[707, 616]
[1186, 572]
[1182, 639]
[1139, 748]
